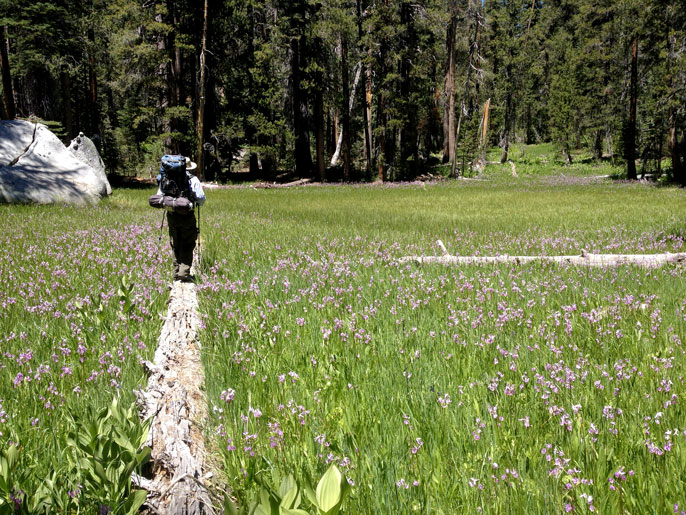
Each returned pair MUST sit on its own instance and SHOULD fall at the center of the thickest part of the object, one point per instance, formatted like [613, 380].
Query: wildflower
[227, 395]
[402, 484]
[444, 401]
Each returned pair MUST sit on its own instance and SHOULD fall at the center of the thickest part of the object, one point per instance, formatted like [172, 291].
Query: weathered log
[175, 399]
[270, 185]
[585, 259]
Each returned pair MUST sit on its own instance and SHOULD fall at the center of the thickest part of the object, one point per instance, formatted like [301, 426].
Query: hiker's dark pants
[182, 233]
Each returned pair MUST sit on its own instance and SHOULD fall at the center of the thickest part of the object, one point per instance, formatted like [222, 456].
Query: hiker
[179, 193]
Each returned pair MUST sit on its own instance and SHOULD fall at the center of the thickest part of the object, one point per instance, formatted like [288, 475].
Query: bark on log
[176, 401]
[585, 259]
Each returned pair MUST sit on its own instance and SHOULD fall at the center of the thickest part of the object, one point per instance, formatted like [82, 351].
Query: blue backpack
[173, 178]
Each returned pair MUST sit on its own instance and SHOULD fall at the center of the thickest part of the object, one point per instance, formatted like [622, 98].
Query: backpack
[173, 178]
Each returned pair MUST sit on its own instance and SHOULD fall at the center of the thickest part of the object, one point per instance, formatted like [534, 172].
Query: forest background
[351, 89]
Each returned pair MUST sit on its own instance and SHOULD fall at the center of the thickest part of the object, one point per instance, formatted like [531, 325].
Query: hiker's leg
[186, 254]
[184, 244]
[175, 239]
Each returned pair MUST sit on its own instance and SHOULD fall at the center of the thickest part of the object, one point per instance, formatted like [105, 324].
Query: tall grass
[502, 389]
[81, 297]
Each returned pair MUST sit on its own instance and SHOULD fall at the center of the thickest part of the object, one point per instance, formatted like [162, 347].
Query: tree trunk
[303, 159]
[677, 166]
[566, 155]
[345, 109]
[201, 100]
[598, 146]
[176, 403]
[585, 259]
[381, 119]
[484, 126]
[163, 91]
[449, 105]
[93, 112]
[381, 108]
[409, 145]
[630, 133]
[7, 89]
[367, 111]
[351, 102]
[250, 131]
[320, 135]
[470, 65]
[330, 136]
[506, 131]
[66, 104]
[319, 131]
[369, 142]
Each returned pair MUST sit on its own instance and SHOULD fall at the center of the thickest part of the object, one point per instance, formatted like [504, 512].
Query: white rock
[85, 151]
[35, 167]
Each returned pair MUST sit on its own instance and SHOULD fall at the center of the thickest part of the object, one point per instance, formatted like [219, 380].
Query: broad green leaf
[329, 489]
[288, 491]
[100, 471]
[12, 456]
[134, 501]
[143, 456]
[123, 442]
[309, 493]
[261, 509]
[294, 511]
[286, 485]
[4, 469]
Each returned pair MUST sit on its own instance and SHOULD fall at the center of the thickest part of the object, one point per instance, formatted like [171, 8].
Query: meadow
[498, 389]
[495, 389]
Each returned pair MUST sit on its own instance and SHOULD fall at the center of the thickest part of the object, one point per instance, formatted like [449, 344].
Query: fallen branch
[585, 259]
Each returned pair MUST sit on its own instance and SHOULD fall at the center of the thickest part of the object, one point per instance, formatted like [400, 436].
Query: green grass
[319, 348]
[82, 291]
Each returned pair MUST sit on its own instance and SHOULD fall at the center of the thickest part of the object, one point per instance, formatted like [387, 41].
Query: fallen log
[175, 400]
[584, 259]
[270, 185]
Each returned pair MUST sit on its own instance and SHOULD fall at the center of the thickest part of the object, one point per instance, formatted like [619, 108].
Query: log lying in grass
[175, 399]
[585, 259]
[270, 185]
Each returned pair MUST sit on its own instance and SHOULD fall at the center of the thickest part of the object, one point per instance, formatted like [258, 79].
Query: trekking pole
[161, 225]
[159, 239]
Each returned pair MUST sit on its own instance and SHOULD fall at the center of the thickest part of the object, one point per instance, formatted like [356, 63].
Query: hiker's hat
[190, 165]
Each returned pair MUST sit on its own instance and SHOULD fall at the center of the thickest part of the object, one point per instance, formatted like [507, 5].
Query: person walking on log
[179, 192]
